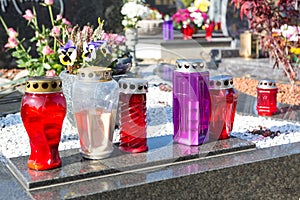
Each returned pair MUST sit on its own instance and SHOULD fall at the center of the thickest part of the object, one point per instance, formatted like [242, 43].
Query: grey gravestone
[232, 24]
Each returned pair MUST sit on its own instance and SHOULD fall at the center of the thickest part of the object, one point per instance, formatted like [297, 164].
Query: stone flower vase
[131, 35]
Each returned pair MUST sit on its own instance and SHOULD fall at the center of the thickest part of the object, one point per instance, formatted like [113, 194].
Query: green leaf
[46, 66]
[16, 54]
[40, 71]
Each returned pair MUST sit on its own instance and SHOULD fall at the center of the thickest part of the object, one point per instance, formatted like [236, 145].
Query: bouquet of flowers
[133, 11]
[84, 47]
[189, 16]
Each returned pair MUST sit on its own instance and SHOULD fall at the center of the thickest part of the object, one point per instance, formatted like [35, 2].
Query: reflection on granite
[161, 151]
[271, 173]
[10, 187]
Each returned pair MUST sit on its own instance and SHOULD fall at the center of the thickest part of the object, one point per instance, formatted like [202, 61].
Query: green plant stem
[52, 22]
[51, 14]
[43, 59]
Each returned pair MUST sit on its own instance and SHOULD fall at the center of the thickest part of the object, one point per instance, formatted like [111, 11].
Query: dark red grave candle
[224, 101]
[132, 110]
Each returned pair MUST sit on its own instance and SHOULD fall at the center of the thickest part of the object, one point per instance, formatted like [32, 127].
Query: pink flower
[47, 51]
[58, 17]
[48, 2]
[11, 43]
[40, 42]
[65, 21]
[12, 33]
[28, 15]
[119, 39]
[50, 72]
[55, 31]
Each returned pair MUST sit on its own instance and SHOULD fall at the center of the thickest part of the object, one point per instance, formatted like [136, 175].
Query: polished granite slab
[162, 151]
[270, 173]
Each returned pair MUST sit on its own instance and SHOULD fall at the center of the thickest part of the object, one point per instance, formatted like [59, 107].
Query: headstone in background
[165, 6]
[76, 11]
[232, 24]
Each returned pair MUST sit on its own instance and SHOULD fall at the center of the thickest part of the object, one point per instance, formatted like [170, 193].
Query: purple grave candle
[168, 32]
[191, 102]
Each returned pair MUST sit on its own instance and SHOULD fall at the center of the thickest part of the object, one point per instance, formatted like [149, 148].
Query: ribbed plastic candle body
[133, 114]
[191, 107]
[42, 115]
[133, 128]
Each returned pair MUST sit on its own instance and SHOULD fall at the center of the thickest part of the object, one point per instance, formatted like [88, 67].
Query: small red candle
[266, 97]
[132, 105]
[223, 103]
[43, 110]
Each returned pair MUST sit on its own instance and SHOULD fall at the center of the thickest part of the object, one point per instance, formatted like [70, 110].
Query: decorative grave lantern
[168, 32]
[132, 105]
[191, 102]
[43, 110]
[223, 106]
[95, 102]
[266, 97]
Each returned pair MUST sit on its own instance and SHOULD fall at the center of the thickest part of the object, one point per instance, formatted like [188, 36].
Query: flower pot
[131, 36]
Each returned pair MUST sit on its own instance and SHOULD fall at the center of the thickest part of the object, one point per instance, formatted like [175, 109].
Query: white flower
[198, 19]
[290, 32]
[134, 11]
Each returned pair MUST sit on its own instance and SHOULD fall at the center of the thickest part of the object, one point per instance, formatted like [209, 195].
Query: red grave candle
[43, 109]
[224, 101]
[266, 97]
[132, 105]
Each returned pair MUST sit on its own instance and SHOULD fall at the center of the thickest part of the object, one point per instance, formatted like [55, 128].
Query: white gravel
[14, 140]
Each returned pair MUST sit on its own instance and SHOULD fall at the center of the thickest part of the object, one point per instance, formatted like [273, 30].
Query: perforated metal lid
[190, 65]
[43, 84]
[133, 85]
[95, 74]
[267, 84]
[221, 82]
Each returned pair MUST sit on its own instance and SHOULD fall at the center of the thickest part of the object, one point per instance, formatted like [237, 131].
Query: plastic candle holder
[191, 102]
[132, 109]
[223, 106]
[266, 97]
